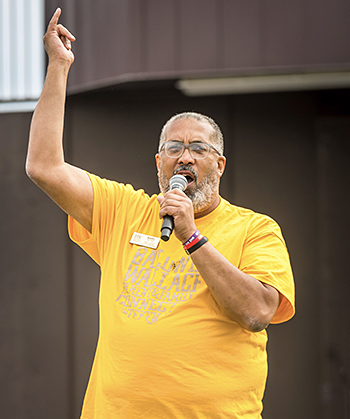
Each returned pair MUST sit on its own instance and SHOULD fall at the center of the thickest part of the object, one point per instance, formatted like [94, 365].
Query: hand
[57, 41]
[178, 205]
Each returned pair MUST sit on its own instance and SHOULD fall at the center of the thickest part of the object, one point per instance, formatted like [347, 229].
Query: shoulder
[111, 189]
[254, 223]
[247, 215]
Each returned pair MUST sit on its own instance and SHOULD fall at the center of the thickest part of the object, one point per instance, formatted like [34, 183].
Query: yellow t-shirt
[165, 348]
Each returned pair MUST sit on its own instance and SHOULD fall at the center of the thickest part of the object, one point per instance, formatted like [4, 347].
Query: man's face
[202, 174]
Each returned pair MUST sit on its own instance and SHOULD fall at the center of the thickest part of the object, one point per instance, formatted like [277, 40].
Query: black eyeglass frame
[187, 147]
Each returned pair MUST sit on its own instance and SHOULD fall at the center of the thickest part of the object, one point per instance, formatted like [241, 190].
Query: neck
[208, 210]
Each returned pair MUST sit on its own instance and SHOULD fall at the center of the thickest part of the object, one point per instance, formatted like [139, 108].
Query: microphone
[180, 182]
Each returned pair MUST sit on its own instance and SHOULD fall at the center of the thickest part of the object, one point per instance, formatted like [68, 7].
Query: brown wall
[129, 40]
[34, 289]
[287, 156]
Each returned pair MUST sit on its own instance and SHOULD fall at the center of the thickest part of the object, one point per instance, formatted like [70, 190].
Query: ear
[157, 157]
[221, 165]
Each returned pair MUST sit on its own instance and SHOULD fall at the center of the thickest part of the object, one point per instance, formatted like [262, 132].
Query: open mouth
[190, 177]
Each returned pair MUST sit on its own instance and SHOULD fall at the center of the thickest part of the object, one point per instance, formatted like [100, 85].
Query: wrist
[185, 235]
[191, 238]
[59, 65]
[194, 242]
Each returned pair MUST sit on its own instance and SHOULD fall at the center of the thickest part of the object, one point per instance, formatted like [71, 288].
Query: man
[182, 322]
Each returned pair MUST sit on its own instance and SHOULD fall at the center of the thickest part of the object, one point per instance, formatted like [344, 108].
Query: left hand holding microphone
[177, 204]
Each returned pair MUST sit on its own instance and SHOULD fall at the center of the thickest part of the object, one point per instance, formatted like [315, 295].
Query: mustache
[187, 168]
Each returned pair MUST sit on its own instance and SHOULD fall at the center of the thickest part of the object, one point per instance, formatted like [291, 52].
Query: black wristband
[196, 246]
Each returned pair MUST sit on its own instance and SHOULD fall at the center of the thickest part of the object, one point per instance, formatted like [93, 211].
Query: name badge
[144, 240]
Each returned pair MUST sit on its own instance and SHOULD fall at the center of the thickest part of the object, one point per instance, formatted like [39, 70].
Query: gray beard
[204, 193]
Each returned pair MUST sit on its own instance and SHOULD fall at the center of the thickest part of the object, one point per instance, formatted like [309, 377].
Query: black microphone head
[178, 181]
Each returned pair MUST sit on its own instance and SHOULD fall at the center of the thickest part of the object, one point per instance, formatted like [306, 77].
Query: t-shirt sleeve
[265, 257]
[114, 205]
[79, 235]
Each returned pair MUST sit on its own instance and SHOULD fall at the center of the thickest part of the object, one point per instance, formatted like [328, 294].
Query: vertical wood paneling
[161, 35]
[101, 45]
[285, 33]
[108, 39]
[81, 24]
[242, 37]
[199, 34]
[139, 39]
[328, 32]
[135, 43]
[112, 20]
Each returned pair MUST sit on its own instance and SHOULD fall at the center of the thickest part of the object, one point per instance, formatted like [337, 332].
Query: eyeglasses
[176, 149]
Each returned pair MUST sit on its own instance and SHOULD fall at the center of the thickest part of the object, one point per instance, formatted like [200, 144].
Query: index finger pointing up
[55, 27]
[54, 20]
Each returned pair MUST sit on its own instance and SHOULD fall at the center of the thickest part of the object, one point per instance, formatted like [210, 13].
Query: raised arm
[68, 186]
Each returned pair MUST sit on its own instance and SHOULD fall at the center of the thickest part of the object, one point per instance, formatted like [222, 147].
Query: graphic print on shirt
[154, 285]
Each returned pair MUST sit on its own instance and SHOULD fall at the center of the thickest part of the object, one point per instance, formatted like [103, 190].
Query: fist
[179, 206]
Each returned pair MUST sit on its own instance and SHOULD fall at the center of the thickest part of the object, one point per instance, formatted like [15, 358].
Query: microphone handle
[167, 227]
[176, 182]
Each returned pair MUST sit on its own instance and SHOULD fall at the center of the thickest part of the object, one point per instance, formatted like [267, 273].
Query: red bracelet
[194, 235]
[196, 246]
[192, 243]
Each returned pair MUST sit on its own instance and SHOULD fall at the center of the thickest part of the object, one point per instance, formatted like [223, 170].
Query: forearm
[244, 299]
[45, 148]
[68, 186]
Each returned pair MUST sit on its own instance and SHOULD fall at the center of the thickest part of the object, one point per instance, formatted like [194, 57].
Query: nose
[186, 157]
